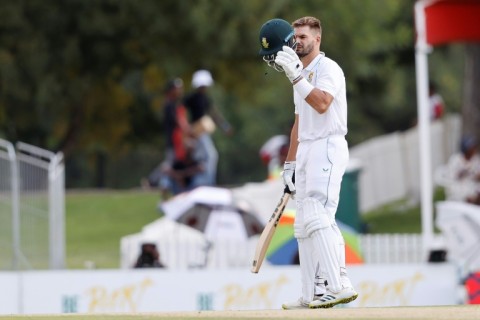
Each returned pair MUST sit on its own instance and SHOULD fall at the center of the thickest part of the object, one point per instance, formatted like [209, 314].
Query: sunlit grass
[97, 220]
[397, 217]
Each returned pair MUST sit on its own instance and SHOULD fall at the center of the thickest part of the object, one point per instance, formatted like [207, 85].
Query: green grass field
[397, 217]
[96, 220]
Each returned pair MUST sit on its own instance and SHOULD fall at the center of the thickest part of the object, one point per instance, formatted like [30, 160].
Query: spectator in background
[183, 171]
[204, 118]
[463, 173]
[149, 257]
[177, 127]
[435, 100]
[181, 166]
[273, 154]
[436, 104]
[174, 175]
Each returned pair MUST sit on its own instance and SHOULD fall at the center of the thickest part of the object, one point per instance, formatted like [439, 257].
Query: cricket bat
[268, 232]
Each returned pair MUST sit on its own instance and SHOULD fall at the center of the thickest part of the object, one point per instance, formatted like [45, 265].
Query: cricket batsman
[318, 155]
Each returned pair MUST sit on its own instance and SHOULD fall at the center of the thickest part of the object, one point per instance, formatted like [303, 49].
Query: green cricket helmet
[275, 34]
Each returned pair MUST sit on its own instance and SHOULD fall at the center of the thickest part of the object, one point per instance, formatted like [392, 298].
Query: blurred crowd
[461, 175]
[189, 119]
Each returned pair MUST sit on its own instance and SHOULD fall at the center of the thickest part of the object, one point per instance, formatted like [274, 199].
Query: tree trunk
[100, 169]
[75, 123]
[471, 95]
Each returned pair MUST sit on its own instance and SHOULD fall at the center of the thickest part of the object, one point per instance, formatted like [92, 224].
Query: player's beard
[305, 50]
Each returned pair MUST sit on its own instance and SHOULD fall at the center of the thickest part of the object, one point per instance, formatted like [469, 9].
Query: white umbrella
[204, 195]
[212, 211]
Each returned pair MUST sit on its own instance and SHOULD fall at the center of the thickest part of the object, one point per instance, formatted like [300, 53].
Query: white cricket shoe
[300, 304]
[330, 299]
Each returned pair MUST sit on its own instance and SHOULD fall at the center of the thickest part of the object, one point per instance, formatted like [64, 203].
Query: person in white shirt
[435, 100]
[463, 173]
[318, 156]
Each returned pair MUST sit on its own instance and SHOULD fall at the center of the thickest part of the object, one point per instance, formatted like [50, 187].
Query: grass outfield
[397, 313]
[96, 220]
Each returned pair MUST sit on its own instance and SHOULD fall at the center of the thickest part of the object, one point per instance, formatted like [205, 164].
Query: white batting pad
[308, 263]
[324, 240]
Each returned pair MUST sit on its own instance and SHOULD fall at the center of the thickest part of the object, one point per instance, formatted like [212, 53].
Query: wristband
[303, 88]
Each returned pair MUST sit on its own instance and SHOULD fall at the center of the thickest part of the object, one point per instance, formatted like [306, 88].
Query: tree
[86, 77]
[471, 97]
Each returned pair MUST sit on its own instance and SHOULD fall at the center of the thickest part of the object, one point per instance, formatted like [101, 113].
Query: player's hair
[312, 22]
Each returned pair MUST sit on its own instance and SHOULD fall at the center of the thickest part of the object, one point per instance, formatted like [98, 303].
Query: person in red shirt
[437, 106]
[179, 167]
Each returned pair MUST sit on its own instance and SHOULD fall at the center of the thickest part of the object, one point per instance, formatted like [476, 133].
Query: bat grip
[286, 190]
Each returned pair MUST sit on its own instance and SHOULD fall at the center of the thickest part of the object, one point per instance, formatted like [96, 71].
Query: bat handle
[286, 190]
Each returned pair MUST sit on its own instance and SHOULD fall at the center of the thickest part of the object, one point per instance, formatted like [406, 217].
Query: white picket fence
[194, 254]
[390, 163]
[392, 248]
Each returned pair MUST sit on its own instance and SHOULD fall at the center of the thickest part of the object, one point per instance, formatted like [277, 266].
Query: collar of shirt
[314, 62]
[310, 71]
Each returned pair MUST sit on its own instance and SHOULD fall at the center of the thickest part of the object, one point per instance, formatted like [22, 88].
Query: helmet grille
[270, 58]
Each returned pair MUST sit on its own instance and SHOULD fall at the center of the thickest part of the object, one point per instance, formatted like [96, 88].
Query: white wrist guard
[303, 88]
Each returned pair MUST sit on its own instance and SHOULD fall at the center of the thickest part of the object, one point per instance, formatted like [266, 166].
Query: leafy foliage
[86, 77]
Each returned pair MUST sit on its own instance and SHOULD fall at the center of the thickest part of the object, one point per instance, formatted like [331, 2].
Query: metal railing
[9, 212]
[32, 208]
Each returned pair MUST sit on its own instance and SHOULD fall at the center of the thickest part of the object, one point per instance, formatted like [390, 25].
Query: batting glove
[290, 62]
[288, 174]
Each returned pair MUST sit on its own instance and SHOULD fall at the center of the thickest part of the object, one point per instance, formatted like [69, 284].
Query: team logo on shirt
[265, 44]
[310, 77]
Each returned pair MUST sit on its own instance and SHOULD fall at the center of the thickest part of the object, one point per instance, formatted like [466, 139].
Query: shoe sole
[303, 308]
[334, 303]
[295, 308]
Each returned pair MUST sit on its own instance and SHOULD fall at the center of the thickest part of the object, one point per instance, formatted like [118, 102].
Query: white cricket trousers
[320, 167]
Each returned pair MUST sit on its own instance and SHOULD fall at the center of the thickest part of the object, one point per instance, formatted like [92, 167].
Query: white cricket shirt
[325, 74]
